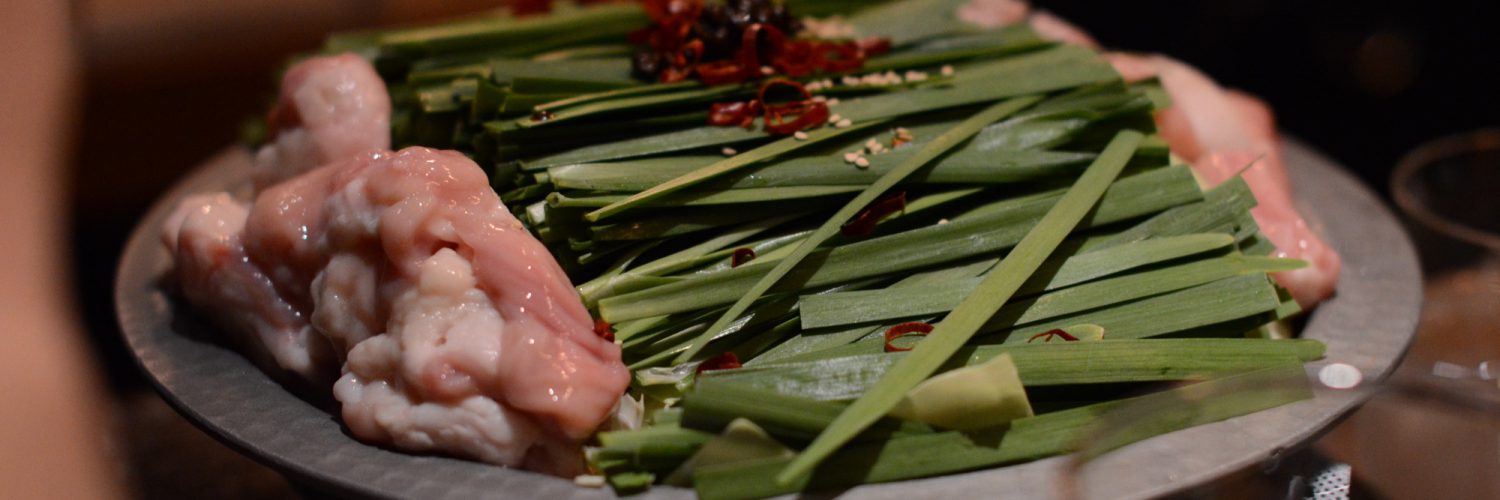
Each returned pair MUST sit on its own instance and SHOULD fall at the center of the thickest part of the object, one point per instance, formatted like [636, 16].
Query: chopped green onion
[900, 458]
[970, 315]
[1039, 364]
[927, 153]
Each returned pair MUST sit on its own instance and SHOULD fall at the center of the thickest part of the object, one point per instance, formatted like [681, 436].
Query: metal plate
[1368, 324]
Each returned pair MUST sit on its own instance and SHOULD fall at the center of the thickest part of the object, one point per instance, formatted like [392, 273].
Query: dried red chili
[671, 56]
[808, 116]
[683, 62]
[733, 114]
[726, 361]
[755, 37]
[742, 38]
[913, 328]
[1049, 334]
[809, 113]
[796, 58]
[604, 330]
[874, 46]
[740, 256]
[783, 82]
[720, 72]
[864, 223]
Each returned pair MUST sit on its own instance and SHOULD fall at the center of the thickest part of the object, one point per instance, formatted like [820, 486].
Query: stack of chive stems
[1037, 198]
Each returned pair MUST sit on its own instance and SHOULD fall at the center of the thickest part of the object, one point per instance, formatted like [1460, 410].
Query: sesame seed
[915, 76]
[834, 118]
[903, 131]
[862, 162]
[872, 144]
[851, 157]
[843, 123]
[767, 70]
[818, 98]
[851, 80]
[947, 70]
[729, 151]
[833, 101]
[814, 87]
[942, 221]
[800, 135]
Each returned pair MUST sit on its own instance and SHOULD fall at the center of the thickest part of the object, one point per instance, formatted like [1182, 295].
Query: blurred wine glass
[1097, 470]
[1448, 192]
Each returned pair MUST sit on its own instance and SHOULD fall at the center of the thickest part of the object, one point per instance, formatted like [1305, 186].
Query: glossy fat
[439, 296]
[217, 277]
[456, 331]
[330, 109]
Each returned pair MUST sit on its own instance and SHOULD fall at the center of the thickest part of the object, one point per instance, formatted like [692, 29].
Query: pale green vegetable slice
[975, 397]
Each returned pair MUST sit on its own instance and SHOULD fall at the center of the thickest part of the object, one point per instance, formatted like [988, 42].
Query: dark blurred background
[169, 82]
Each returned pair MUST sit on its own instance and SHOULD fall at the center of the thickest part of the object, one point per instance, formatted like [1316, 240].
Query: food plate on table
[1367, 324]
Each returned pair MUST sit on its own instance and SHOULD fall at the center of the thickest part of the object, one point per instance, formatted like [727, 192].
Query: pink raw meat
[330, 109]
[206, 233]
[457, 331]
[1221, 132]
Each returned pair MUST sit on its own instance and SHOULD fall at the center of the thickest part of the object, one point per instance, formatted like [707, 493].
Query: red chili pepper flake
[726, 361]
[755, 39]
[784, 118]
[604, 330]
[808, 113]
[1049, 334]
[740, 256]
[734, 114]
[913, 328]
[864, 223]
[874, 46]
[719, 72]
[796, 58]
[737, 41]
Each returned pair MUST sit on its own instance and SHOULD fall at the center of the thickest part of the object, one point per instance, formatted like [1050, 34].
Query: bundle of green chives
[1036, 200]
